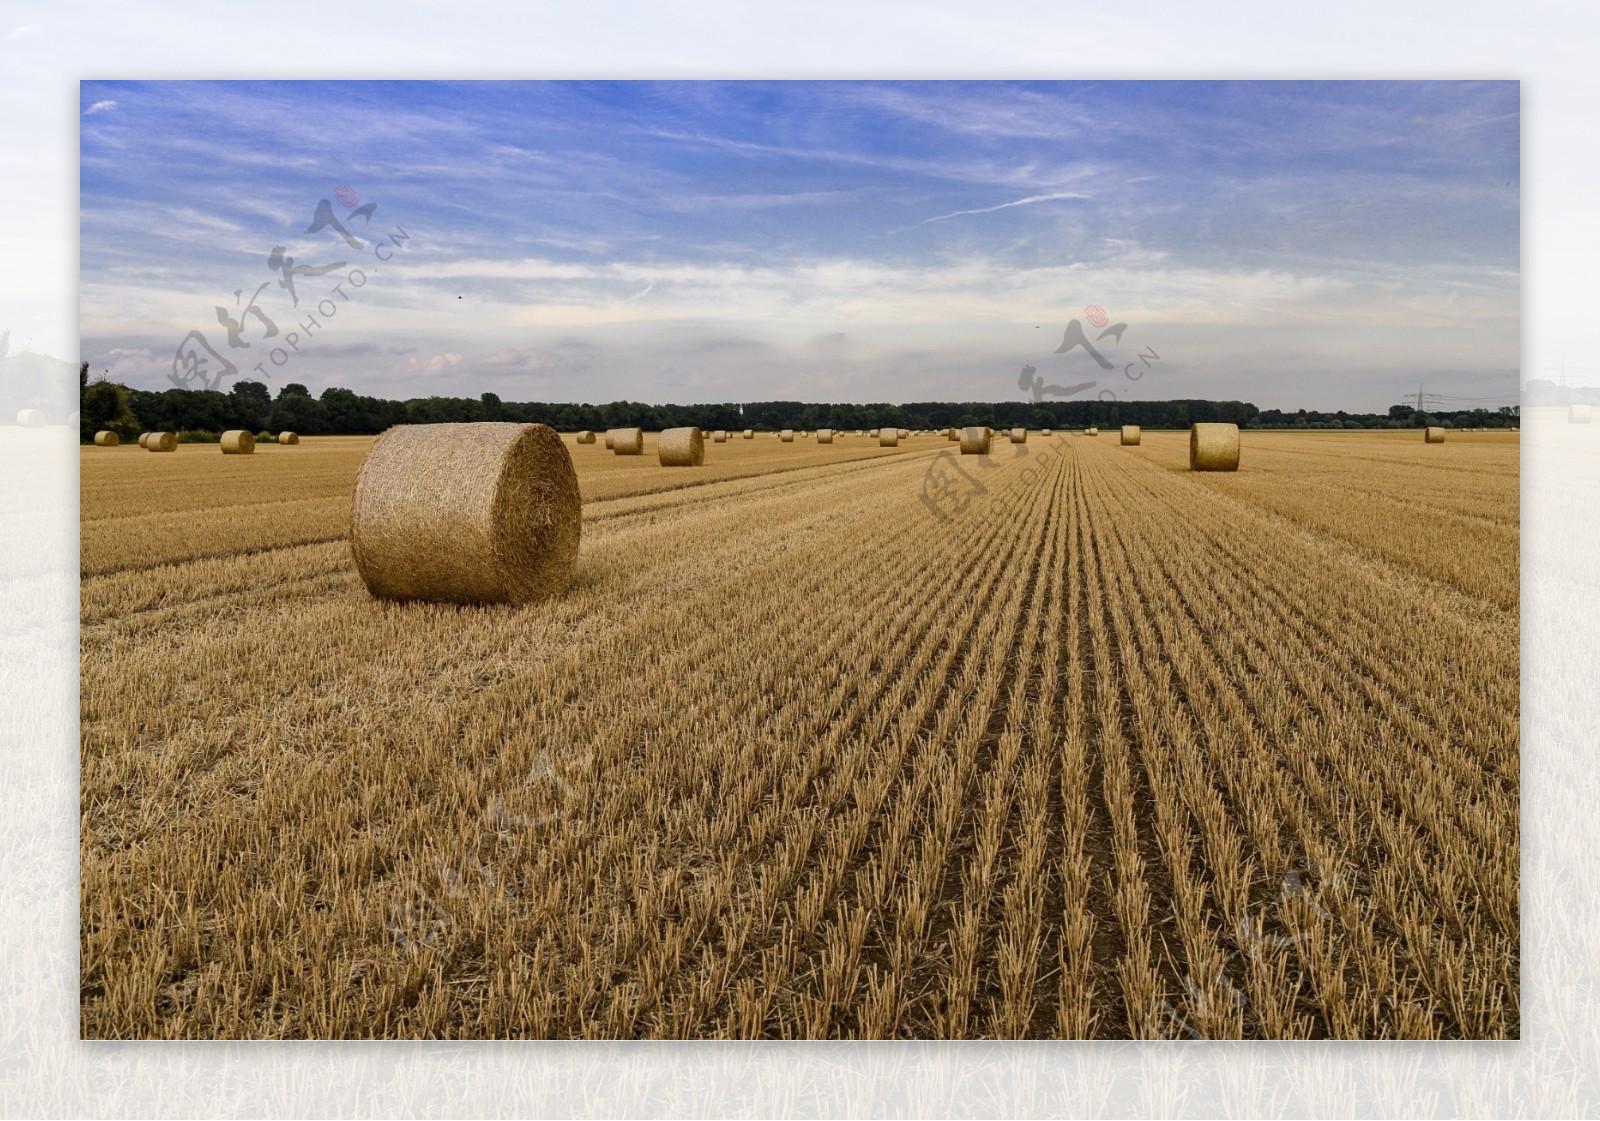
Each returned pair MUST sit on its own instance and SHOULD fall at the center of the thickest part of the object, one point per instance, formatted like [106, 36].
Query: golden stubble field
[1059, 742]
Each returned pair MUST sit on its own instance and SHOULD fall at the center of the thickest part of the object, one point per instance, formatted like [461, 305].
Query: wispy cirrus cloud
[597, 240]
[100, 107]
[1031, 200]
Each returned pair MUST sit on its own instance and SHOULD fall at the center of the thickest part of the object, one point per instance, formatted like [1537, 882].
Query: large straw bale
[586, 437]
[749, 433]
[466, 513]
[787, 435]
[681, 447]
[105, 438]
[719, 437]
[1434, 435]
[288, 438]
[1019, 435]
[236, 441]
[161, 442]
[824, 435]
[1214, 447]
[626, 441]
[888, 437]
[975, 441]
[1131, 435]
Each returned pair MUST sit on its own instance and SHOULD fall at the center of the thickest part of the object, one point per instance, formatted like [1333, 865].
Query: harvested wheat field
[820, 740]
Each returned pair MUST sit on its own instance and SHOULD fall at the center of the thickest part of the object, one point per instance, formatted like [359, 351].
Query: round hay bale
[586, 437]
[904, 435]
[1044, 432]
[1131, 435]
[975, 441]
[1092, 431]
[1433, 435]
[719, 437]
[161, 442]
[487, 512]
[681, 447]
[888, 438]
[236, 441]
[749, 433]
[626, 441]
[143, 436]
[1214, 447]
[824, 435]
[951, 434]
[1019, 435]
[30, 418]
[787, 435]
[873, 434]
[105, 438]
[1578, 414]
[288, 437]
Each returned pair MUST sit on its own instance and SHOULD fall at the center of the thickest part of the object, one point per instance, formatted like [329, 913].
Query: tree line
[204, 413]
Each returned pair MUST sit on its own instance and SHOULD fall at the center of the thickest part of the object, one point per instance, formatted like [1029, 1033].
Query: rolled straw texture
[466, 513]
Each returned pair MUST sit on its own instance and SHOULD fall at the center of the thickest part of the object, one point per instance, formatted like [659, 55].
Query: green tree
[105, 404]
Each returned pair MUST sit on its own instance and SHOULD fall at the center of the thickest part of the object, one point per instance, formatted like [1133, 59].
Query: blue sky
[1319, 244]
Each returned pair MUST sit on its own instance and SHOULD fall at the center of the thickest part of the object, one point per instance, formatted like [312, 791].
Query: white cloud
[99, 107]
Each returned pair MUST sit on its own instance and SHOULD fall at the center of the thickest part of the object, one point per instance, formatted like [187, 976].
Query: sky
[1296, 244]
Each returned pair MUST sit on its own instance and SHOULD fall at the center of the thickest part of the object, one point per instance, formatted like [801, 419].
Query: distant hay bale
[873, 434]
[1044, 432]
[160, 441]
[30, 418]
[288, 438]
[787, 435]
[904, 435]
[951, 434]
[824, 435]
[681, 447]
[236, 441]
[1578, 414]
[975, 441]
[1019, 435]
[487, 512]
[1214, 447]
[105, 438]
[143, 436]
[1433, 435]
[888, 437]
[719, 437]
[1091, 431]
[749, 433]
[586, 437]
[1131, 435]
[626, 441]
